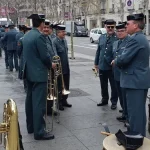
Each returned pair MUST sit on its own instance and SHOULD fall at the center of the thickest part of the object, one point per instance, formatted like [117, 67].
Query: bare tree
[85, 8]
[146, 4]
[98, 6]
[119, 6]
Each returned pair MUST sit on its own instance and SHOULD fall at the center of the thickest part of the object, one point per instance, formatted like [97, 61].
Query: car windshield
[81, 28]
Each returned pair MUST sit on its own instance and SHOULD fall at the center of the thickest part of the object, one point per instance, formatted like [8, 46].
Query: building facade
[92, 12]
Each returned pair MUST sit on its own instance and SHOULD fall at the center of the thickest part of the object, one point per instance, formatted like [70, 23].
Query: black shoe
[121, 119]
[102, 103]
[46, 136]
[7, 67]
[67, 105]
[121, 111]
[30, 132]
[11, 70]
[113, 107]
[61, 108]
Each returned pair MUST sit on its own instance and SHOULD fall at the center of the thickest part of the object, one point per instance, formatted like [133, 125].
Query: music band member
[118, 48]
[51, 31]
[37, 62]
[60, 46]
[47, 32]
[103, 60]
[10, 40]
[4, 44]
[19, 48]
[20, 55]
[134, 63]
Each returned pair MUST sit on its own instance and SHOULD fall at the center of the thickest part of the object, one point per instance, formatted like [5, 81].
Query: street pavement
[80, 126]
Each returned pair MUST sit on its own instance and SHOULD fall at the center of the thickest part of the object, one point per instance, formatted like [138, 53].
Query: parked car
[96, 33]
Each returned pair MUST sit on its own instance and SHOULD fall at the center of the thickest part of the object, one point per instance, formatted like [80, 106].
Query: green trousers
[35, 107]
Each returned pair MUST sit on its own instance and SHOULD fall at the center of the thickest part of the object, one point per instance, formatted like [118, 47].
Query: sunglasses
[121, 30]
[110, 27]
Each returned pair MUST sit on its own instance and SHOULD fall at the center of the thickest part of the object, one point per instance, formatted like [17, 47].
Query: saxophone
[10, 135]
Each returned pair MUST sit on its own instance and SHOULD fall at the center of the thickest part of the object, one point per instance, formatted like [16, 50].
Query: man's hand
[53, 65]
[96, 67]
[113, 63]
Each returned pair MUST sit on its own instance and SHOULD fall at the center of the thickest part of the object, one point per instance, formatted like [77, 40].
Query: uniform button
[104, 55]
[105, 51]
[116, 56]
[116, 52]
[106, 48]
[126, 72]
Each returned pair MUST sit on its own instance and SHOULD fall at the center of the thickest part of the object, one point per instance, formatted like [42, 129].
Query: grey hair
[141, 24]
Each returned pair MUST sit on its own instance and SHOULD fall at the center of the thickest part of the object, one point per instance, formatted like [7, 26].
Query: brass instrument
[53, 89]
[50, 95]
[9, 128]
[53, 93]
[64, 91]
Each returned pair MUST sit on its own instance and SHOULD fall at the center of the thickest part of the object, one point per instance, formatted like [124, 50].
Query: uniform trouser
[6, 58]
[104, 76]
[119, 91]
[125, 110]
[35, 107]
[122, 98]
[20, 138]
[12, 54]
[66, 78]
[25, 84]
[136, 100]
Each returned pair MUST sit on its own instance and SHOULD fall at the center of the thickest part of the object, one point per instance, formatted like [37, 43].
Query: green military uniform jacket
[60, 46]
[134, 63]
[104, 54]
[117, 50]
[50, 47]
[36, 57]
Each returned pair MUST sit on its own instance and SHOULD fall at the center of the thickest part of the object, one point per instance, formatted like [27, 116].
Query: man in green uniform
[118, 48]
[52, 52]
[51, 31]
[103, 59]
[20, 55]
[60, 46]
[135, 72]
[47, 32]
[37, 61]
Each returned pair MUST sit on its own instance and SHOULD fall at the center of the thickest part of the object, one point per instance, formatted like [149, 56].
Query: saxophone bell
[10, 135]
